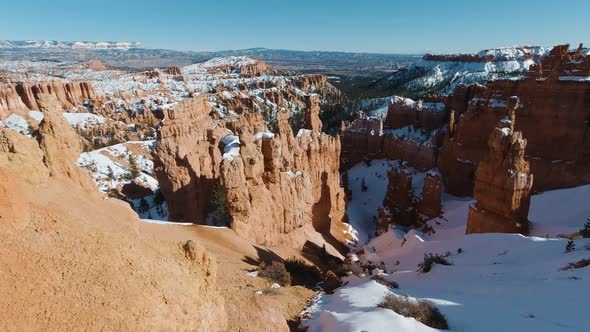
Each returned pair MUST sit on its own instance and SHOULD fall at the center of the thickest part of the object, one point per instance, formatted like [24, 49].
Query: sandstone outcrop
[71, 256]
[246, 68]
[279, 184]
[60, 143]
[275, 185]
[21, 97]
[173, 71]
[552, 116]
[187, 159]
[411, 132]
[429, 203]
[10, 101]
[399, 198]
[311, 117]
[502, 184]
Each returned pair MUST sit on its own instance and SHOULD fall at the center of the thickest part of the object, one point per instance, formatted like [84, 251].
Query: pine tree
[364, 185]
[133, 166]
[570, 246]
[585, 231]
[143, 205]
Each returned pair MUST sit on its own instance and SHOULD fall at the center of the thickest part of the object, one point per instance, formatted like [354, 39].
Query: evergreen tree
[570, 246]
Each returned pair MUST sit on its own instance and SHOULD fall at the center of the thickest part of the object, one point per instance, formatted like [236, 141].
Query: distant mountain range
[52, 44]
[131, 54]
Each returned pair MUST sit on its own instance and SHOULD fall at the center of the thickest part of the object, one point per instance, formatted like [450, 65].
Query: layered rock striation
[60, 240]
[276, 187]
[502, 184]
[553, 115]
[21, 97]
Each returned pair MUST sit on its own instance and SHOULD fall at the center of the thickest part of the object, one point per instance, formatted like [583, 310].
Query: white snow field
[498, 282]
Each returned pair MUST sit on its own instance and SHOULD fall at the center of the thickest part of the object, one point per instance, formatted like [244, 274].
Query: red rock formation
[277, 188]
[187, 159]
[365, 139]
[280, 184]
[502, 185]
[553, 115]
[69, 94]
[429, 203]
[90, 64]
[244, 69]
[55, 235]
[173, 71]
[399, 198]
[428, 114]
[311, 117]
[10, 101]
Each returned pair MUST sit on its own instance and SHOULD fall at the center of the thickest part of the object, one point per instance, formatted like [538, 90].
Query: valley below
[276, 190]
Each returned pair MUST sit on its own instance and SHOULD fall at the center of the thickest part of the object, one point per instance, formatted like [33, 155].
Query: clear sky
[393, 26]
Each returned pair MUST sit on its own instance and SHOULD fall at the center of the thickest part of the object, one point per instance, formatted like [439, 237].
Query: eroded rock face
[399, 198]
[502, 184]
[187, 159]
[56, 236]
[430, 201]
[279, 184]
[21, 97]
[553, 116]
[245, 68]
[10, 101]
[367, 139]
[275, 185]
[60, 143]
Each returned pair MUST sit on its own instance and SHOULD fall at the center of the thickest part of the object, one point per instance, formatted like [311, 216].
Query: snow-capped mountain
[45, 44]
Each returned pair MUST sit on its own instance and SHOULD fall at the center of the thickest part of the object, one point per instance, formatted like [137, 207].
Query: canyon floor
[518, 278]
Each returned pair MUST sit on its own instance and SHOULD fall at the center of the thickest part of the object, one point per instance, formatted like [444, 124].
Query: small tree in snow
[133, 168]
[570, 246]
[143, 205]
[585, 231]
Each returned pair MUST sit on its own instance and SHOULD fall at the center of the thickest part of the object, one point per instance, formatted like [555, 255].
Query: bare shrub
[275, 272]
[431, 259]
[422, 311]
[577, 265]
[302, 273]
[385, 282]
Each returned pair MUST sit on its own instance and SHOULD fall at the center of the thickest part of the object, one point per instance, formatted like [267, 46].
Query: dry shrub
[275, 272]
[385, 282]
[422, 311]
[577, 265]
[431, 259]
[302, 273]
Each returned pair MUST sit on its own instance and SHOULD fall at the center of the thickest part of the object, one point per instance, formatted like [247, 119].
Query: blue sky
[362, 26]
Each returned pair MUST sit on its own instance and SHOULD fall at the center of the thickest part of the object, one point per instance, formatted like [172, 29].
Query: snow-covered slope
[19, 123]
[111, 170]
[444, 73]
[498, 282]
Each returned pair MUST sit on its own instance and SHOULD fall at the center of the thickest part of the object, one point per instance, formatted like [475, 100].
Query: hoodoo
[502, 182]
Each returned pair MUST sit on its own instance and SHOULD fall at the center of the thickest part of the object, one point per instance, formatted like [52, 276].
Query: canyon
[169, 189]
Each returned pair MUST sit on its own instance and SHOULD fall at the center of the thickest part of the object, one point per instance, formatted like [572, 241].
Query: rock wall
[21, 97]
[187, 159]
[399, 198]
[274, 185]
[429, 203]
[279, 184]
[365, 139]
[553, 115]
[502, 184]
